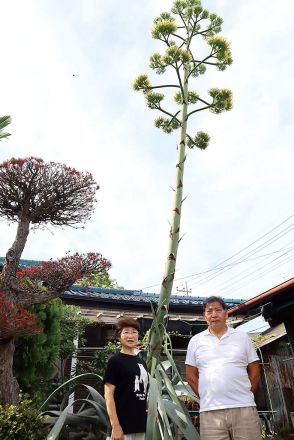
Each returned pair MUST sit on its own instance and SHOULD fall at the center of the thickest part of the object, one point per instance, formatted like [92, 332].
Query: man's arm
[192, 377]
[253, 370]
[117, 432]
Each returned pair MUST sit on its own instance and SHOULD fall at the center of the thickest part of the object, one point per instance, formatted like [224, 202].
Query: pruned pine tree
[4, 121]
[179, 30]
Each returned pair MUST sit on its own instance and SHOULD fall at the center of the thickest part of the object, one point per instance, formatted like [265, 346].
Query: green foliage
[4, 121]
[35, 355]
[98, 363]
[72, 326]
[100, 280]
[21, 422]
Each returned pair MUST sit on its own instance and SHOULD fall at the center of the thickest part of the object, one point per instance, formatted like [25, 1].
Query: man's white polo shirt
[222, 365]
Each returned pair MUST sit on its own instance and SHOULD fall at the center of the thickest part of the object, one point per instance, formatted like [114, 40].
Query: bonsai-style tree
[4, 121]
[35, 193]
[188, 23]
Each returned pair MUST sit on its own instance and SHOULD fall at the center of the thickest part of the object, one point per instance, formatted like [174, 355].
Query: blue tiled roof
[24, 263]
[136, 296]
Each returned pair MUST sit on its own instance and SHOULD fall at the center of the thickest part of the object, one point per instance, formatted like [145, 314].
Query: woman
[126, 384]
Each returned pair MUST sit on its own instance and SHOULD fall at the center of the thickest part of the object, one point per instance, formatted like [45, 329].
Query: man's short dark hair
[126, 322]
[211, 299]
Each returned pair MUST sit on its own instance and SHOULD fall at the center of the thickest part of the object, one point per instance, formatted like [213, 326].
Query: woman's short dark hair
[126, 322]
[211, 299]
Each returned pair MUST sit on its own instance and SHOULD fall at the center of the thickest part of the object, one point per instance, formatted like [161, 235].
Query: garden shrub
[21, 422]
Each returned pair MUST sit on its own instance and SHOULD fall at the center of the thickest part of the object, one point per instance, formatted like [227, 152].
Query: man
[126, 386]
[222, 367]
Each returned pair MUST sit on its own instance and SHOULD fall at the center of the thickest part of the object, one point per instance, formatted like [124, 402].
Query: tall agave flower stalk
[178, 30]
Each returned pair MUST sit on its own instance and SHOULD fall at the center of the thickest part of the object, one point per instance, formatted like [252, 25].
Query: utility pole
[184, 290]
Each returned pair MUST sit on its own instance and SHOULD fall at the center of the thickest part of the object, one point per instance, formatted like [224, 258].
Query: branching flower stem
[174, 237]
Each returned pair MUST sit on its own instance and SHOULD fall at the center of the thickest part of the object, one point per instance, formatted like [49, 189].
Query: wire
[252, 252]
[228, 283]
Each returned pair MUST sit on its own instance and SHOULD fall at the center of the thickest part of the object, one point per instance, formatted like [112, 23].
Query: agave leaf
[96, 396]
[99, 404]
[55, 431]
[167, 432]
[181, 420]
[189, 391]
[72, 380]
[152, 407]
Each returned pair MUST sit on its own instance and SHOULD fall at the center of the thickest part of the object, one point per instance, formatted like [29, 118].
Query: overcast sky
[65, 78]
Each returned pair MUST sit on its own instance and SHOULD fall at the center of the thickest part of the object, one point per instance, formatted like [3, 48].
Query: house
[276, 349]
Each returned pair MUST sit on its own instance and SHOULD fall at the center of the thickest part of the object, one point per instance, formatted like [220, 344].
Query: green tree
[100, 280]
[188, 23]
[35, 355]
[72, 326]
[4, 121]
[39, 357]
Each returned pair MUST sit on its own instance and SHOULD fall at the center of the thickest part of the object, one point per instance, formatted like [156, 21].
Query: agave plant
[91, 412]
[4, 121]
[166, 412]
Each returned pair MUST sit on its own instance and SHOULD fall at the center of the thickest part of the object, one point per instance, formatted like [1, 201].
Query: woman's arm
[117, 432]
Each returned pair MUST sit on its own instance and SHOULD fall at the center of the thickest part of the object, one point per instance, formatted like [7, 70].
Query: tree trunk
[174, 236]
[14, 253]
[8, 384]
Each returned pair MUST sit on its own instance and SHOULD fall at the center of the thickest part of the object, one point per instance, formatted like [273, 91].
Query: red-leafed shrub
[15, 320]
[60, 273]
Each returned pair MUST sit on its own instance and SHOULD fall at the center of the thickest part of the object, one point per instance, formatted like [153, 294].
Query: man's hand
[117, 433]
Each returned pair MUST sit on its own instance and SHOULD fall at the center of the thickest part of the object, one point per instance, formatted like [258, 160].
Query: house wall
[278, 369]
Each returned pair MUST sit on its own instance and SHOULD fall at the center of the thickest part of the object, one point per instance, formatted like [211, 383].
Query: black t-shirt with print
[129, 375]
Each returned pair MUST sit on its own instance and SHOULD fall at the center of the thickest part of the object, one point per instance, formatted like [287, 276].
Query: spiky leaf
[4, 121]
